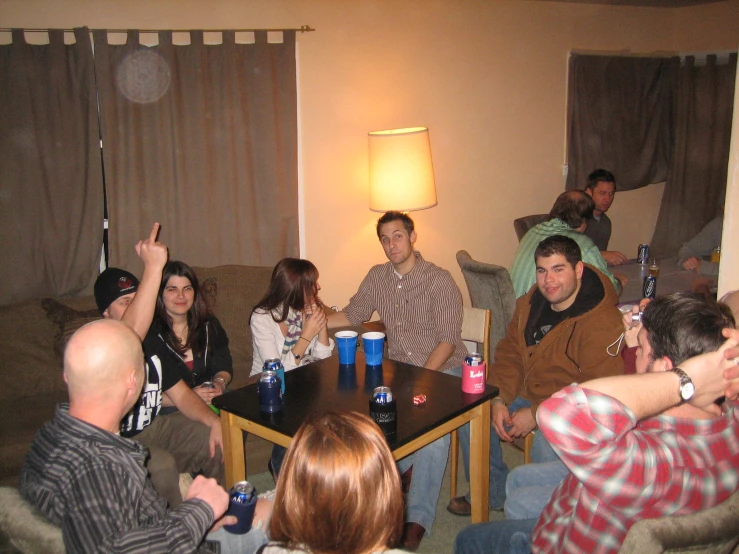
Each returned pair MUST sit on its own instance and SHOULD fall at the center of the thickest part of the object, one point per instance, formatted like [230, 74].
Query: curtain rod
[302, 29]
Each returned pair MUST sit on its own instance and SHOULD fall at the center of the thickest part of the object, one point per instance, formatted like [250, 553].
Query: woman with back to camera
[193, 335]
[289, 322]
[340, 490]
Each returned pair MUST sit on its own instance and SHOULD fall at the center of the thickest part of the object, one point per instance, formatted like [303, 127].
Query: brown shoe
[405, 480]
[459, 506]
[412, 535]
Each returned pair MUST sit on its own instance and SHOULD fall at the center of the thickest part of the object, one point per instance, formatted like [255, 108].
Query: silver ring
[735, 360]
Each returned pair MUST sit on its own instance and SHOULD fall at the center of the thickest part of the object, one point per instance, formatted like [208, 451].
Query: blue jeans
[541, 451]
[277, 457]
[238, 544]
[529, 488]
[511, 536]
[429, 464]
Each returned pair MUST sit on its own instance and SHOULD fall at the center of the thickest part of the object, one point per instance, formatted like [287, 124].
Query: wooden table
[672, 278]
[325, 385]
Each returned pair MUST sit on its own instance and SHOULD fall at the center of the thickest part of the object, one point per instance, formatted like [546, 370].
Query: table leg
[233, 450]
[480, 463]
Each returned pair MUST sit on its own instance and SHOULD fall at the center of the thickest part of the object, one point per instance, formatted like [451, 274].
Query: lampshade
[401, 174]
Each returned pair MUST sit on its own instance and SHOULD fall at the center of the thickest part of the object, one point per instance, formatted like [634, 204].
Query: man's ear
[662, 364]
[413, 237]
[132, 382]
[579, 269]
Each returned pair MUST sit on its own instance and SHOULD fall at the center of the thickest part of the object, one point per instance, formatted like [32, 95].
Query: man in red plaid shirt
[637, 446]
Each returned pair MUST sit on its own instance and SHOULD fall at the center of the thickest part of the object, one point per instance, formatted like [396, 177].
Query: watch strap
[685, 380]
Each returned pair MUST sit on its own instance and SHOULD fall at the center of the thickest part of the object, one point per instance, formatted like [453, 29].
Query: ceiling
[651, 3]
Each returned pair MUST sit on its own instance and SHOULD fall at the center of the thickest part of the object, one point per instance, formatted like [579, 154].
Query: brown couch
[32, 338]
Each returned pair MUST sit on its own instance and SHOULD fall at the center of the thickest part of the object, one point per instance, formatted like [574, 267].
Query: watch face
[687, 391]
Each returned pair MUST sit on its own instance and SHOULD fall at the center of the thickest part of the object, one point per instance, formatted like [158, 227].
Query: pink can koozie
[473, 374]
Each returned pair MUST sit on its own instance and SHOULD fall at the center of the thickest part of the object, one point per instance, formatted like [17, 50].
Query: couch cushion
[238, 289]
[26, 342]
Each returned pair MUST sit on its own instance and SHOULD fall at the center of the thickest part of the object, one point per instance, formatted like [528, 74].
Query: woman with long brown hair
[288, 322]
[339, 492]
[193, 335]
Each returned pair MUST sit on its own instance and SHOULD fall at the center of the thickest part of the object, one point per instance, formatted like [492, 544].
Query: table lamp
[400, 170]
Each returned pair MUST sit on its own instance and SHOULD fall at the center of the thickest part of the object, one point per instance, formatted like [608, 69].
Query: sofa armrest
[714, 530]
[27, 529]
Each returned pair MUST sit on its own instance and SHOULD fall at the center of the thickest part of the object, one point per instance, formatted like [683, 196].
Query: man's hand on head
[732, 373]
[152, 252]
[714, 373]
[613, 257]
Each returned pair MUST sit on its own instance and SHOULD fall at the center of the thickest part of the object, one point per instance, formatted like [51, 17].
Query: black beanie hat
[111, 284]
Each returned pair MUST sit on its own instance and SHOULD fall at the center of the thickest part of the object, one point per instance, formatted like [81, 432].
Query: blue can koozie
[243, 503]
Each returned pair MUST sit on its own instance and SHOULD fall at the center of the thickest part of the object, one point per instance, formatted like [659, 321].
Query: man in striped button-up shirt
[421, 307]
[88, 480]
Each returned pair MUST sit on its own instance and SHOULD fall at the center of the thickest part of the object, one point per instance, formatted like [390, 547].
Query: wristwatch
[687, 388]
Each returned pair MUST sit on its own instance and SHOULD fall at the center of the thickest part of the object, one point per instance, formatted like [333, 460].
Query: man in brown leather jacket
[560, 333]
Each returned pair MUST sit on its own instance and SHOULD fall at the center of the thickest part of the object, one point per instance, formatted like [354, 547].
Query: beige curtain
[51, 192]
[202, 138]
[620, 118]
[696, 186]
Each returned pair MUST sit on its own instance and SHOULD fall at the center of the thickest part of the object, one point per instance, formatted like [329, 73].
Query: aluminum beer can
[383, 409]
[382, 395]
[274, 364]
[649, 290]
[242, 492]
[642, 255]
[242, 504]
[473, 359]
[269, 390]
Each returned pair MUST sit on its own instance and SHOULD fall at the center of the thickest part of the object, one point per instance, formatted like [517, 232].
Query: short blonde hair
[339, 489]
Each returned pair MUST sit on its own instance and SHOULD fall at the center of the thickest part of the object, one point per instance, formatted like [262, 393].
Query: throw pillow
[209, 289]
[68, 320]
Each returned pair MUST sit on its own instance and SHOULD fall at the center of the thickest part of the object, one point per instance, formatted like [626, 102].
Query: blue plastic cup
[346, 342]
[374, 347]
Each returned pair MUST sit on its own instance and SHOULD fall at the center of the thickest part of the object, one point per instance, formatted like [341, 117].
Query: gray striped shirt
[420, 310]
[93, 485]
